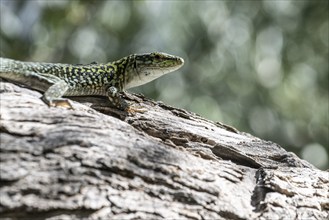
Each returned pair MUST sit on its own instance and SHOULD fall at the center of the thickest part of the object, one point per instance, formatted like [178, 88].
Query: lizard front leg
[116, 98]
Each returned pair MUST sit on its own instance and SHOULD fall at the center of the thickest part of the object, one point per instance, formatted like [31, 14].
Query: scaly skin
[110, 79]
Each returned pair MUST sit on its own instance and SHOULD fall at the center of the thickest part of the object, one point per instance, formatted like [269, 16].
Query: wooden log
[96, 162]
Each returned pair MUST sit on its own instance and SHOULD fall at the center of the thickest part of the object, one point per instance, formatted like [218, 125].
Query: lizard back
[90, 79]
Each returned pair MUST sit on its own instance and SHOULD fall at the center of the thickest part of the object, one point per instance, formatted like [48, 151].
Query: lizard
[56, 80]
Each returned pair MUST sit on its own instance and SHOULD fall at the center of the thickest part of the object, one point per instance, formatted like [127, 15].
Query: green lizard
[110, 79]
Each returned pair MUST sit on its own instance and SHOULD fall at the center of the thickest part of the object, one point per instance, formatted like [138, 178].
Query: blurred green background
[260, 66]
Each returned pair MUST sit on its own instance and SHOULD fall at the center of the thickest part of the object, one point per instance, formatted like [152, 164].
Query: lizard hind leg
[53, 95]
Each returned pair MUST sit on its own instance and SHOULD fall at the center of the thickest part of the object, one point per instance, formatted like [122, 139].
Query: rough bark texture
[165, 163]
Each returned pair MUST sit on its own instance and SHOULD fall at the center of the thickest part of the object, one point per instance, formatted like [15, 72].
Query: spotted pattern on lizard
[110, 79]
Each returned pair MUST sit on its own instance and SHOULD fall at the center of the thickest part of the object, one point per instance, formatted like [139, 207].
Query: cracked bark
[165, 163]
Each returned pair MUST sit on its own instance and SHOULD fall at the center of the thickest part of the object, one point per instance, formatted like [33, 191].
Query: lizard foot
[133, 109]
[64, 103]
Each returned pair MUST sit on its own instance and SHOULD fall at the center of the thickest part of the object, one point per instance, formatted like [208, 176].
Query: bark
[95, 162]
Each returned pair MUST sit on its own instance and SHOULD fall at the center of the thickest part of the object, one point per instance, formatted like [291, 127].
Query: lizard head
[143, 68]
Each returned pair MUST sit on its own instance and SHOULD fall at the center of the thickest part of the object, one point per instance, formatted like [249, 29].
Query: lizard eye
[157, 56]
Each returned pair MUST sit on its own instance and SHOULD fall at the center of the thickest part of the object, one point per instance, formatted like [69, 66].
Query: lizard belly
[85, 91]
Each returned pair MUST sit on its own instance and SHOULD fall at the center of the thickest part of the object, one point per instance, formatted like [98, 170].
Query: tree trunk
[95, 162]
